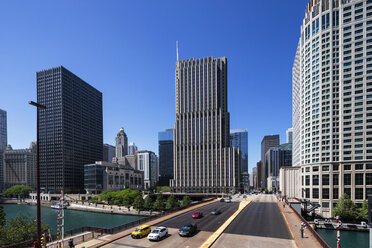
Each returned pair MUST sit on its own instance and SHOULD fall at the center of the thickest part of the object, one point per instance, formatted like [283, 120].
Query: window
[359, 193]
[307, 193]
[325, 21]
[325, 204]
[325, 193]
[359, 166]
[315, 193]
[335, 167]
[325, 168]
[325, 179]
[316, 168]
[359, 179]
[335, 193]
[307, 169]
[347, 191]
[368, 178]
[335, 179]
[368, 192]
[347, 179]
[347, 167]
[315, 179]
[307, 180]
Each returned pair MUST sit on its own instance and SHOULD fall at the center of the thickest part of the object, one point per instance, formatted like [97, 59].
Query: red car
[197, 215]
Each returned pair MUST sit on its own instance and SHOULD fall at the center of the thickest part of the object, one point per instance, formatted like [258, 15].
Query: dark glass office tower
[70, 129]
[165, 157]
[239, 139]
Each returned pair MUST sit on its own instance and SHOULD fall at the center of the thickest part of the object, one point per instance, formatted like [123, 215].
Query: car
[187, 230]
[158, 233]
[197, 215]
[222, 200]
[227, 200]
[141, 231]
[215, 212]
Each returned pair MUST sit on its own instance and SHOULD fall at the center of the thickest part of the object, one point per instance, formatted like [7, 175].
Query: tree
[345, 208]
[363, 211]
[2, 216]
[159, 203]
[172, 202]
[138, 203]
[21, 191]
[186, 201]
[148, 203]
[127, 201]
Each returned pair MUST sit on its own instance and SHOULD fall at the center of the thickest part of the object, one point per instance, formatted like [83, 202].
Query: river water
[348, 238]
[73, 218]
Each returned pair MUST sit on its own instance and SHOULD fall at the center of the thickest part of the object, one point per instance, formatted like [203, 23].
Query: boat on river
[58, 206]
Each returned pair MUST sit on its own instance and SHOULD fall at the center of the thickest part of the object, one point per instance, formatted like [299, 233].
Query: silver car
[158, 233]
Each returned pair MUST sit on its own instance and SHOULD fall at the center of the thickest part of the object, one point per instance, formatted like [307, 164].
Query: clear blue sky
[127, 50]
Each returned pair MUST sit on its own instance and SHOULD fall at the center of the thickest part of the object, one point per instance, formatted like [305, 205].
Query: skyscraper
[165, 157]
[289, 134]
[70, 129]
[3, 144]
[267, 142]
[108, 152]
[332, 110]
[203, 159]
[121, 148]
[132, 148]
[239, 139]
[149, 164]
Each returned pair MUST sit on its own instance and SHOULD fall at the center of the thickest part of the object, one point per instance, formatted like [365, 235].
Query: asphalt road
[260, 219]
[208, 222]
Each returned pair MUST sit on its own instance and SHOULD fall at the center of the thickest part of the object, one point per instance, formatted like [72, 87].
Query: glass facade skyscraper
[239, 139]
[165, 157]
[70, 129]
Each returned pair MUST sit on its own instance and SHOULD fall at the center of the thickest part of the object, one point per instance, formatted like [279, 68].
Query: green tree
[363, 211]
[127, 201]
[138, 203]
[159, 203]
[21, 191]
[148, 203]
[172, 202]
[186, 201]
[345, 208]
[2, 216]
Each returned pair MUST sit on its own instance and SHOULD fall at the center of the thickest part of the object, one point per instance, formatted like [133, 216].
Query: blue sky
[127, 50]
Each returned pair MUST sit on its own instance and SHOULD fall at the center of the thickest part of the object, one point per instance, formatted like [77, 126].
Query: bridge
[258, 221]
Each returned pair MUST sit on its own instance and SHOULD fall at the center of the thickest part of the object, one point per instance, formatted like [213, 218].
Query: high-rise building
[289, 135]
[259, 182]
[121, 144]
[332, 110]
[165, 157]
[132, 148]
[108, 152]
[239, 139]
[20, 166]
[149, 164]
[253, 178]
[3, 144]
[267, 142]
[70, 129]
[203, 158]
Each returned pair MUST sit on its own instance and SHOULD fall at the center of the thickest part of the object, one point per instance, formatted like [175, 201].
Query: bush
[159, 203]
[18, 191]
[138, 203]
[148, 203]
[172, 202]
[186, 201]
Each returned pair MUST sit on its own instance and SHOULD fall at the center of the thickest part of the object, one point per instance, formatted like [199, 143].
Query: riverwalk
[109, 209]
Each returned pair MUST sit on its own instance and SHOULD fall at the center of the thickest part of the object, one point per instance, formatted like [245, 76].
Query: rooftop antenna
[177, 50]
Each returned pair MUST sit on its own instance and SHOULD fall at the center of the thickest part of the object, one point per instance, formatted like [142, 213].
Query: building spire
[177, 50]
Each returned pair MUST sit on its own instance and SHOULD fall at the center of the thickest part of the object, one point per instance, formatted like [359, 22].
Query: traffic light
[43, 240]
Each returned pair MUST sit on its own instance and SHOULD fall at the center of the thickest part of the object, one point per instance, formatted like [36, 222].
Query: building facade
[3, 144]
[165, 157]
[332, 107]
[289, 181]
[20, 166]
[70, 129]
[102, 176]
[289, 135]
[148, 162]
[259, 175]
[203, 158]
[132, 148]
[267, 142]
[108, 152]
[253, 178]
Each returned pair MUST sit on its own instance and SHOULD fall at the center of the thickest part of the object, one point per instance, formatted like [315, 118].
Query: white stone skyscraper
[203, 159]
[332, 102]
[132, 148]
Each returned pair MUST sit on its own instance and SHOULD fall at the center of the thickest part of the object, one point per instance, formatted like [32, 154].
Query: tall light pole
[38, 218]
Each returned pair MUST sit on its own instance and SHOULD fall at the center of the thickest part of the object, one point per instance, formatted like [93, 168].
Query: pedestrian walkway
[294, 225]
[99, 242]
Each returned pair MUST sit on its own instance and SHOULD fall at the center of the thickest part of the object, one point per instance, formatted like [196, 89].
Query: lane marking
[209, 242]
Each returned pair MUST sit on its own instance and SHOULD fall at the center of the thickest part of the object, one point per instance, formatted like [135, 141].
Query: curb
[210, 241]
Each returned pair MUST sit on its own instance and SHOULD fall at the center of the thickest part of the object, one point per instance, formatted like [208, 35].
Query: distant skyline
[127, 50]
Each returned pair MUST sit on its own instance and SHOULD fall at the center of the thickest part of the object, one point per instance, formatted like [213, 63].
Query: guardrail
[316, 235]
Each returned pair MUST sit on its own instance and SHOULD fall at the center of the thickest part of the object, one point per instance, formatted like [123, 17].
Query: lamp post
[38, 222]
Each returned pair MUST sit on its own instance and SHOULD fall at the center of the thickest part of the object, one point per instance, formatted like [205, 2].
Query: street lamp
[38, 222]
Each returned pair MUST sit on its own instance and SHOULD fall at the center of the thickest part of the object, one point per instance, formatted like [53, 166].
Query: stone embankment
[109, 209]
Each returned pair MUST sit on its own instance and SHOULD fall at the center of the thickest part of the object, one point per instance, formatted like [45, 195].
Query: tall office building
[203, 159]
[70, 129]
[165, 157]
[108, 152]
[148, 162]
[132, 148]
[267, 142]
[20, 166]
[332, 106]
[3, 144]
[289, 135]
[121, 148]
[239, 139]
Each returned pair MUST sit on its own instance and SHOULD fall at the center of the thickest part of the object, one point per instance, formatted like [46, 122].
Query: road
[206, 226]
[261, 224]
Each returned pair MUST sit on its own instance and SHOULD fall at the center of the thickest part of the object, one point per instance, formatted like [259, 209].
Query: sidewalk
[294, 224]
[104, 240]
